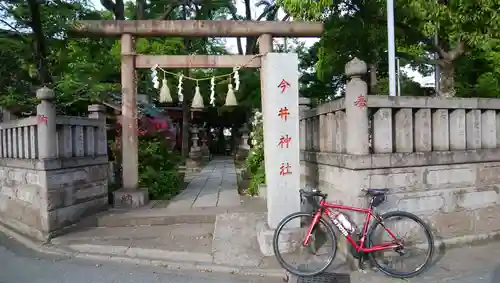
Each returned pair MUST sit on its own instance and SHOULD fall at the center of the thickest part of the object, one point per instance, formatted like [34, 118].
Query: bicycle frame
[324, 209]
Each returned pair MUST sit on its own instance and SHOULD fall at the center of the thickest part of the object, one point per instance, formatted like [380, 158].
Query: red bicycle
[318, 230]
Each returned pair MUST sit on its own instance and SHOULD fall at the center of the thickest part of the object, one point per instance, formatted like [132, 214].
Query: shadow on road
[326, 277]
[496, 275]
[440, 249]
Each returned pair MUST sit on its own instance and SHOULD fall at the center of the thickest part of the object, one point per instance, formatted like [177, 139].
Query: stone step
[123, 220]
[158, 215]
[180, 242]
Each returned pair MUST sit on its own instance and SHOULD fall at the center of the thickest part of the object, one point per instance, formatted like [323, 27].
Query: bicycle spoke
[297, 258]
[414, 251]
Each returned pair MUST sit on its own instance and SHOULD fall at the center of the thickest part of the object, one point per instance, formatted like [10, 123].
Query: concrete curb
[31, 244]
[168, 264]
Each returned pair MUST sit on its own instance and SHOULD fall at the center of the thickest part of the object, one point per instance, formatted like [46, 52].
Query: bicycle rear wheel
[288, 244]
[418, 251]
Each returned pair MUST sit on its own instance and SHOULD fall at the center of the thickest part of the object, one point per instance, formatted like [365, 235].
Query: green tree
[462, 25]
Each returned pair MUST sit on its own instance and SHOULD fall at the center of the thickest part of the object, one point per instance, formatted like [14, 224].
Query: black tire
[428, 234]
[292, 269]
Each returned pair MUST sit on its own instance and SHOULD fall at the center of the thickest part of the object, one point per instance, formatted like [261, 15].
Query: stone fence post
[98, 112]
[304, 105]
[46, 130]
[357, 141]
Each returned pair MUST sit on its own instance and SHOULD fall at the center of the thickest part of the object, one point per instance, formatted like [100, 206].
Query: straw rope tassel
[197, 99]
[230, 97]
[165, 92]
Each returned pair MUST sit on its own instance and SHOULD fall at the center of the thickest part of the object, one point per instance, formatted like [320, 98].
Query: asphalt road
[488, 276]
[21, 265]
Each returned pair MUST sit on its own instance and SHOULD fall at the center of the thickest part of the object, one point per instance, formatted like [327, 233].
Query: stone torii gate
[276, 63]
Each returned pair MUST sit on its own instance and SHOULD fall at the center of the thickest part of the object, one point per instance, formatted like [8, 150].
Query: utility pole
[391, 47]
[437, 69]
[398, 68]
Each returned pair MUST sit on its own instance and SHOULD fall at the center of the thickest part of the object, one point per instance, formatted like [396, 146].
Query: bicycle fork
[315, 220]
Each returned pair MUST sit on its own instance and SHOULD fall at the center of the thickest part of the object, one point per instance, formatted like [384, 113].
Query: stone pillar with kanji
[280, 108]
[356, 105]
[46, 129]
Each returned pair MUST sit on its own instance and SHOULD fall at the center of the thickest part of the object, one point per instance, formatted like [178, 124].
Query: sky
[231, 42]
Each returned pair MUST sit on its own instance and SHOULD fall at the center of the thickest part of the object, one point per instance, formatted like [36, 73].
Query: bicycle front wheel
[414, 237]
[290, 251]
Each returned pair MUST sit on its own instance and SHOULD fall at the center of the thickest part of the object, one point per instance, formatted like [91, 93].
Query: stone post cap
[96, 108]
[45, 93]
[355, 68]
[304, 101]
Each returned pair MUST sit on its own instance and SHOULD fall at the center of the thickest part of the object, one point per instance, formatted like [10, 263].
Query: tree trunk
[447, 80]
[373, 78]
[41, 47]
[234, 15]
[447, 74]
[141, 9]
[117, 8]
[250, 40]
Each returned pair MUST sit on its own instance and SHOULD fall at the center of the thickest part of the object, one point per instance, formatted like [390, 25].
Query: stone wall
[53, 170]
[439, 157]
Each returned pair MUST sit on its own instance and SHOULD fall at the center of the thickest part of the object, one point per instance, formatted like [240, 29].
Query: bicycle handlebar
[313, 193]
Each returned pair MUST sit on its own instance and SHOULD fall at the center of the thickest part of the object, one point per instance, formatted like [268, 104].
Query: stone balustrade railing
[53, 169]
[407, 124]
[80, 137]
[324, 128]
[403, 131]
[424, 124]
[23, 140]
[18, 138]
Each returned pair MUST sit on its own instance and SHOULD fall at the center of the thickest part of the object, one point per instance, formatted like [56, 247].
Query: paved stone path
[214, 186]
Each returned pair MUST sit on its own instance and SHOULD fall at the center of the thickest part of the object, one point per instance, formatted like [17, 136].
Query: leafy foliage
[255, 162]
[258, 178]
[357, 28]
[158, 169]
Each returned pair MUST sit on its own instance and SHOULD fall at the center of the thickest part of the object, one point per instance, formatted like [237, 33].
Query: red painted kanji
[285, 169]
[360, 102]
[284, 141]
[42, 119]
[283, 113]
[283, 85]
